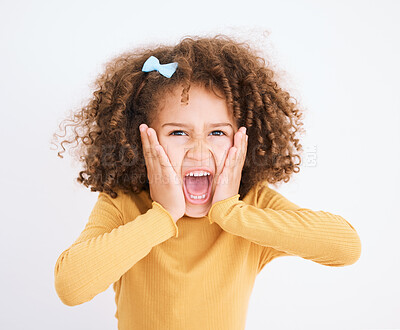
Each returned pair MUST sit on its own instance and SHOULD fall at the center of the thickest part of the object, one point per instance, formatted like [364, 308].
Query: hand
[165, 184]
[228, 182]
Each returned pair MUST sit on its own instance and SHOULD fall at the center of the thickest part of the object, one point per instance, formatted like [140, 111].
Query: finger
[163, 161]
[160, 176]
[231, 159]
[238, 140]
[242, 141]
[244, 145]
[152, 140]
[150, 153]
[168, 172]
[240, 144]
[162, 155]
[153, 136]
[227, 166]
[143, 135]
[145, 143]
[147, 153]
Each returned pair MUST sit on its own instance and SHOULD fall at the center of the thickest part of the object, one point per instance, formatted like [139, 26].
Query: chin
[197, 214]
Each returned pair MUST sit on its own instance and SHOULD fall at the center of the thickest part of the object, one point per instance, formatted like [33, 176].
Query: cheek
[174, 152]
[221, 142]
[221, 151]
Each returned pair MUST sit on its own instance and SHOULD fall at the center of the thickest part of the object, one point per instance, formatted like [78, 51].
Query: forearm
[319, 236]
[91, 266]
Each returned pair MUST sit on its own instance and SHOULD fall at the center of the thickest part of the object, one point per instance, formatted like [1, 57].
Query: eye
[178, 133]
[219, 132]
[172, 133]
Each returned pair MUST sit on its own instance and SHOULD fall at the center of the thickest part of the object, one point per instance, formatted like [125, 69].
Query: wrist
[171, 214]
[175, 217]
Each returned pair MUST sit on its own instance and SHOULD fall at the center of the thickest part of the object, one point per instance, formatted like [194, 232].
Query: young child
[192, 132]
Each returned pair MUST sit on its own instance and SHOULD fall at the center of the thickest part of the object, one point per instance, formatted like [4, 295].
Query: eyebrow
[210, 125]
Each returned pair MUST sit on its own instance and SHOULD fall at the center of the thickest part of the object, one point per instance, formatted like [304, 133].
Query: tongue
[196, 185]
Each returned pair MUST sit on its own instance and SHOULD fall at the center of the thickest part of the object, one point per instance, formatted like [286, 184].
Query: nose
[199, 150]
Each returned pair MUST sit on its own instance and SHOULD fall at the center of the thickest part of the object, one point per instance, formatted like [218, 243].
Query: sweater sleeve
[283, 228]
[107, 248]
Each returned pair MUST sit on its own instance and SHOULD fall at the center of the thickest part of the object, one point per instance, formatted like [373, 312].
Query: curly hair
[124, 97]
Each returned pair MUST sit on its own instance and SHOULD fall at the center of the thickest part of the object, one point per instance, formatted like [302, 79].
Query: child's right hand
[165, 185]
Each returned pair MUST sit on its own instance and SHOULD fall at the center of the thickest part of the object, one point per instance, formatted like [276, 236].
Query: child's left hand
[228, 182]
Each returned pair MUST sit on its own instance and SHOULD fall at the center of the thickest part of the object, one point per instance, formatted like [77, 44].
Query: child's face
[195, 140]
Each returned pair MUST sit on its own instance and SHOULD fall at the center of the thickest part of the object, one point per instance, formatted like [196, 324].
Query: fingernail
[247, 137]
[148, 132]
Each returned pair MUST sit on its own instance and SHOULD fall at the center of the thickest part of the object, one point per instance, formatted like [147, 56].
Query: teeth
[197, 197]
[197, 173]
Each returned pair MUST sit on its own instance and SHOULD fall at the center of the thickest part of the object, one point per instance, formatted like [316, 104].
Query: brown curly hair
[125, 97]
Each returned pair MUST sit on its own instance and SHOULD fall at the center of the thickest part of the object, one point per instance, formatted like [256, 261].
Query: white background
[338, 58]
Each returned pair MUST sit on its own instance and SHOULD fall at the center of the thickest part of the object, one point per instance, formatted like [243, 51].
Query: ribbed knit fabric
[199, 272]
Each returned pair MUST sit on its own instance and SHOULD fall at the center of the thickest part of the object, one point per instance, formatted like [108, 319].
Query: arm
[283, 228]
[107, 248]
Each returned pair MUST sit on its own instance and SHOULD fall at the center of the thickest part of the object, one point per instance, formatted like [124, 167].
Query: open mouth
[197, 186]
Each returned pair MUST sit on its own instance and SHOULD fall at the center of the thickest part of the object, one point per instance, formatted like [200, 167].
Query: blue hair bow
[153, 64]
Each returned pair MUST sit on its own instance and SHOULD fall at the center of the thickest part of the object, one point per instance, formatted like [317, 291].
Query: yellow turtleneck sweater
[199, 272]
